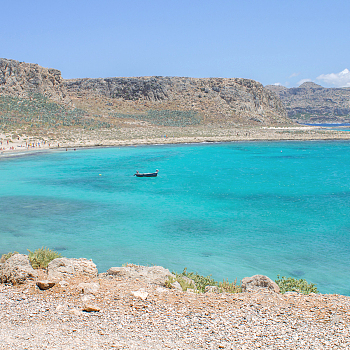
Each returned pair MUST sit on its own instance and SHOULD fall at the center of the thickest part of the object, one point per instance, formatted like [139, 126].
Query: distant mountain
[313, 103]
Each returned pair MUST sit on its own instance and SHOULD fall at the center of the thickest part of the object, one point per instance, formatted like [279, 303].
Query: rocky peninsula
[70, 306]
[312, 103]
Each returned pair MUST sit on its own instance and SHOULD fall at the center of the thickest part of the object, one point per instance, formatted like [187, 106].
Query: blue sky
[270, 41]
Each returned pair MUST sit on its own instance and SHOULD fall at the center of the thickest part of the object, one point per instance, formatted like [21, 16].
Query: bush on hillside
[41, 257]
[291, 284]
[202, 281]
[4, 257]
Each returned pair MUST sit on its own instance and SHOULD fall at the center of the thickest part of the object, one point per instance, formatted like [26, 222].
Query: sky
[282, 42]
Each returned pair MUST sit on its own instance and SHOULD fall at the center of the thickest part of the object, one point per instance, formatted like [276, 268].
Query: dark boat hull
[147, 175]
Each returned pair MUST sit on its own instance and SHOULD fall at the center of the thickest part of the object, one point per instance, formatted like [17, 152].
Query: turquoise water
[230, 210]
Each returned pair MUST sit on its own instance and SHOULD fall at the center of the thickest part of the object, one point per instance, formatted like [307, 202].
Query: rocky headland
[70, 306]
[312, 103]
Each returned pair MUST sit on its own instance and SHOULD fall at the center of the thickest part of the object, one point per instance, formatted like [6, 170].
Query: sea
[229, 210]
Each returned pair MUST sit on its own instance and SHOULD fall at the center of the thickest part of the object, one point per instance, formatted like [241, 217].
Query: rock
[91, 308]
[161, 290]
[87, 298]
[64, 267]
[22, 80]
[63, 283]
[176, 285]
[257, 282]
[336, 319]
[211, 289]
[75, 312]
[150, 274]
[142, 294]
[44, 285]
[313, 103]
[60, 307]
[17, 270]
[89, 288]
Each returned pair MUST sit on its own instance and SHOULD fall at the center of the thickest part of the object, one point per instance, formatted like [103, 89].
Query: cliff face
[311, 102]
[169, 101]
[19, 79]
[216, 99]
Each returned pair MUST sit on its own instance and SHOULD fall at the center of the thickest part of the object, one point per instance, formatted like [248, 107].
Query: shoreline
[139, 137]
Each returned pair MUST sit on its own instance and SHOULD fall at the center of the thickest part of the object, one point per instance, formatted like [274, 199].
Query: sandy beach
[11, 143]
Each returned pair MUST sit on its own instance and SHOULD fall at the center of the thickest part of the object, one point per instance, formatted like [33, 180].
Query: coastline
[151, 136]
[168, 318]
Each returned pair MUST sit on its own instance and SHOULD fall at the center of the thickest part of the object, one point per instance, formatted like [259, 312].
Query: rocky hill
[313, 103]
[20, 79]
[39, 97]
[210, 100]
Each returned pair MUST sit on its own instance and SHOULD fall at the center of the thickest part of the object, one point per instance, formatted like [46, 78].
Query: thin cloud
[277, 84]
[302, 81]
[341, 79]
[294, 75]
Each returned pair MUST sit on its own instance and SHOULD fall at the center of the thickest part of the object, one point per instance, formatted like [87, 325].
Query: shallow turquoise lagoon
[230, 210]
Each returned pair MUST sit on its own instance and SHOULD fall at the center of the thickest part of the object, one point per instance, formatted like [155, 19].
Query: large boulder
[149, 274]
[250, 284]
[17, 270]
[64, 267]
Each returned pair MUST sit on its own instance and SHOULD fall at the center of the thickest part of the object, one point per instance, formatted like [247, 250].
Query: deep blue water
[230, 210]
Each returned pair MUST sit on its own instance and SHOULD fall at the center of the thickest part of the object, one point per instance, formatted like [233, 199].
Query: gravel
[170, 319]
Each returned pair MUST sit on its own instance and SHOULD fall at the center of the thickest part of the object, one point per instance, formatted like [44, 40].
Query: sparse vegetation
[202, 281]
[165, 117]
[4, 257]
[229, 287]
[40, 112]
[184, 283]
[41, 257]
[290, 284]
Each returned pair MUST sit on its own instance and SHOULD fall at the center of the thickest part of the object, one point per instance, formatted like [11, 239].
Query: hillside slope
[313, 103]
[212, 100]
[39, 98]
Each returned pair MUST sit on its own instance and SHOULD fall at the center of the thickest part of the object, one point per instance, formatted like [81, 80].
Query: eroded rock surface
[250, 284]
[89, 288]
[149, 274]
[17, 270]
[64, 267]
[20, 79]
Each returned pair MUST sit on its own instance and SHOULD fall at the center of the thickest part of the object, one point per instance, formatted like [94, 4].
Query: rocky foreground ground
[130, 308]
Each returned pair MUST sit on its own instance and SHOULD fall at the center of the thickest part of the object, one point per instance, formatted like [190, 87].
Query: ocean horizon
[231, 210]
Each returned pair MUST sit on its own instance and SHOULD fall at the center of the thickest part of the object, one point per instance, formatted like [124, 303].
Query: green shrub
[291, 284]
[4, 257]
[41, 257]
[201, 282]
[227, 287]
[183, 282]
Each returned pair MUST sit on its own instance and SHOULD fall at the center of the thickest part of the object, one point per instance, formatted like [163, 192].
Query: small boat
[146, 174]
